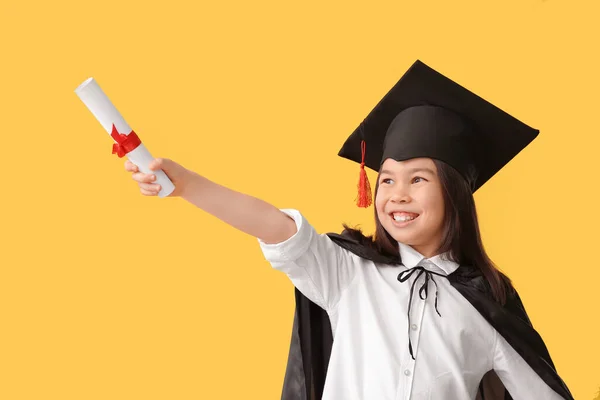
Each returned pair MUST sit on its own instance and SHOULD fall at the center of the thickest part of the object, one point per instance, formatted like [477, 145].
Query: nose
[400, 196]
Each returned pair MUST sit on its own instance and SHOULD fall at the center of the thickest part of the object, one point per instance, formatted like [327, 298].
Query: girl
[418, 310]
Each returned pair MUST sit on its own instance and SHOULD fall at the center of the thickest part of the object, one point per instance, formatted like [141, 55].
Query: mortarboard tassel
[364, 188]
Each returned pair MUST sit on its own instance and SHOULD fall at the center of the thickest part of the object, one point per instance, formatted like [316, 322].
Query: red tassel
[364, 188]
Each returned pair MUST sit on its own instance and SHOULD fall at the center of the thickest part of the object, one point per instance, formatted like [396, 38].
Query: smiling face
[411, 192]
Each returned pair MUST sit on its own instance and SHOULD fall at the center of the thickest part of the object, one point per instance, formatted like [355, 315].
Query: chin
[404, 237]
[406, 240]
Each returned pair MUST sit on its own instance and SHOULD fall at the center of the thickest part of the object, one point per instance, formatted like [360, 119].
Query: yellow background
[107, 294]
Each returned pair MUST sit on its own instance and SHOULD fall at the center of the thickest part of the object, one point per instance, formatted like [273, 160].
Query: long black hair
[461, 237]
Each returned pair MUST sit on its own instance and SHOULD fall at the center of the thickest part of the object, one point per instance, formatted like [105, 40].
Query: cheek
[379, 203]
[434, 207]
[380, 214]
[436, 213]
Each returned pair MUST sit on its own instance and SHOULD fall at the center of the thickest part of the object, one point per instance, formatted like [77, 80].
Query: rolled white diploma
[105, 112]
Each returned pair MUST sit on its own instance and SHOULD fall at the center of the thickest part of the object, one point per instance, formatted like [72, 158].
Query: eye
[385, 179]
[418, 177]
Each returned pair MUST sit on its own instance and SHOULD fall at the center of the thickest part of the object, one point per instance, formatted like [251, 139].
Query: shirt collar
[411, 258]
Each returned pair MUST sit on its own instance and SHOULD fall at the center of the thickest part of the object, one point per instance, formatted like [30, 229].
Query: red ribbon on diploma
[125, 143]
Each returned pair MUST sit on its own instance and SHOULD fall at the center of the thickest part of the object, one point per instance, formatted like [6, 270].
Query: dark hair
[461, 237]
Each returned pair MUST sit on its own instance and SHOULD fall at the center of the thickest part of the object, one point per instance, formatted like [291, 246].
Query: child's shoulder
[355, 241]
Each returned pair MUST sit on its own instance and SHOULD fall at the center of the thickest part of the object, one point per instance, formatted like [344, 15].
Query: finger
[141, 177]
[158, 163]
[129, 166]
[150, 187]
[148, 193]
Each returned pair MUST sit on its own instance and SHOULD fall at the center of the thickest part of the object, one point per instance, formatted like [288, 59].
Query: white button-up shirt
[368, 307]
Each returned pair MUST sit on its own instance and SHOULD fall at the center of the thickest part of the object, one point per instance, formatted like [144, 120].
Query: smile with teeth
[404, 217]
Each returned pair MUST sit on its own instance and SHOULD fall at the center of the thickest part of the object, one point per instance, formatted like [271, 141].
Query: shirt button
[414, 327]
[407, 372]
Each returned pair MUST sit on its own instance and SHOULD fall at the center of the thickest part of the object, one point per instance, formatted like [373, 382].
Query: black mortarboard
[428, 115]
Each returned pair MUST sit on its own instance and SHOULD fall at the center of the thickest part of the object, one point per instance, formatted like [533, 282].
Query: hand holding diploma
[179, 175]
[126, 140]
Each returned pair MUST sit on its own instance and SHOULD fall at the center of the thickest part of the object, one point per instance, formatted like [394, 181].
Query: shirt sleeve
[521, 381]
[318, 268]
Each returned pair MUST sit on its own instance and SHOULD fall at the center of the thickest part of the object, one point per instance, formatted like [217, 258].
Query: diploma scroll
[126, 140]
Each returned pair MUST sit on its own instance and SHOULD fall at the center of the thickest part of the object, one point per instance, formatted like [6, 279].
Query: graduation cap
[428, 115]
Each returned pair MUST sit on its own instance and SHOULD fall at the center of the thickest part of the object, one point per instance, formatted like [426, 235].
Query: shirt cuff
[293, 247]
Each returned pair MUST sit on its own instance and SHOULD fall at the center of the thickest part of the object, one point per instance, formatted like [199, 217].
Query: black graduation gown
[312, 339]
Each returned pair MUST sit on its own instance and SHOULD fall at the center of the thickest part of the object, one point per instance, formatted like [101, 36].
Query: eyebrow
[411, 170]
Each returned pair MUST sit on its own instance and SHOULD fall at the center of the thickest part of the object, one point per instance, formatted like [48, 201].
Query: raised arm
[244, 212]
[318, 267]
